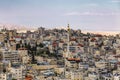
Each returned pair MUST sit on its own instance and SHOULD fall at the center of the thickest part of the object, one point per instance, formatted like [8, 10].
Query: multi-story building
[2, 37]
[16, 70]
[11, 56]
[5, 76]
[12, 33]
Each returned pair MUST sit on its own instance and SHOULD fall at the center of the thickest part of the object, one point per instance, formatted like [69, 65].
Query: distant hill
[103, 32]
[18, 27]
[21, 28]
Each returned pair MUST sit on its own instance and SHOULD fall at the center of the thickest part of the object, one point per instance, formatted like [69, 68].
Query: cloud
[90, 14]
[72, 13]
[92, 4]
[115, 1]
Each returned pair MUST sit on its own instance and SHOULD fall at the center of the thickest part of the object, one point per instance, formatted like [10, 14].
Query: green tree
[14, 79]
[41, 45]
[17, 46]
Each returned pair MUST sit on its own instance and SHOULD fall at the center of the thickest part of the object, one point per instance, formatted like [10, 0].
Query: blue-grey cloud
[91, 14]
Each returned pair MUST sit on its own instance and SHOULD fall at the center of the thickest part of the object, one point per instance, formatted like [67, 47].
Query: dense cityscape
[58, 54]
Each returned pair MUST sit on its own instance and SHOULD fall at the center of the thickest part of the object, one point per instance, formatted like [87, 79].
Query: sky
[92, 15]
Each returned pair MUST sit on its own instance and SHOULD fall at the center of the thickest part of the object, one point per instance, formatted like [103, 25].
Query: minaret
[68, 52]
[68, 42]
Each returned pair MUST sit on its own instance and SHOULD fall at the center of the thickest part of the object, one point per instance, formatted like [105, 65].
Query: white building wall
[16, 73]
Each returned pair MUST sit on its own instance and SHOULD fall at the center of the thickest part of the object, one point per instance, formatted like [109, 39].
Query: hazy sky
[80, 14]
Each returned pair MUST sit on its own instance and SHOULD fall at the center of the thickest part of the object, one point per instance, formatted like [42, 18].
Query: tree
[28, 46]
[14, 79]
[17, 46]
[33, 58]
[41, 45]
